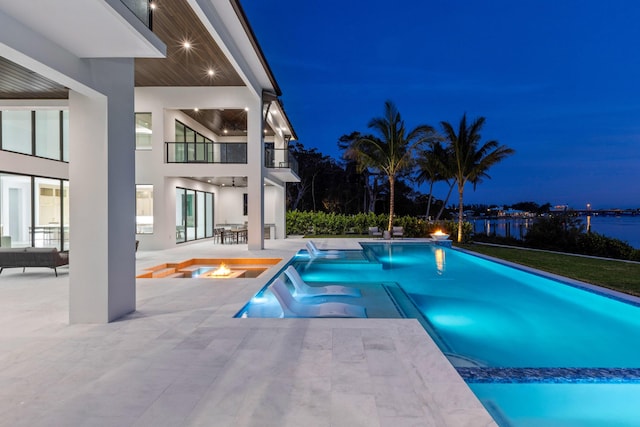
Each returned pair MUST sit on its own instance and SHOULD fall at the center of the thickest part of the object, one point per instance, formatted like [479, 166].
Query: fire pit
[439, 235]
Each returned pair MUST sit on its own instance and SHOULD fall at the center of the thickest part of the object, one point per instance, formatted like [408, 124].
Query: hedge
[321, 223]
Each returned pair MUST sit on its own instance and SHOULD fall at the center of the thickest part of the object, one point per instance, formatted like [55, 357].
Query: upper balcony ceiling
[229, 122]
[193, 57]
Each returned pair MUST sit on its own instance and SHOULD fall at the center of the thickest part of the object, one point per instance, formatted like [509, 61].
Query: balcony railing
[280, 158]
[142, 9]
[206, 152]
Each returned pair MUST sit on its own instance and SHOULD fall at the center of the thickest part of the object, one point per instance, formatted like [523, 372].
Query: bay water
[625, 228]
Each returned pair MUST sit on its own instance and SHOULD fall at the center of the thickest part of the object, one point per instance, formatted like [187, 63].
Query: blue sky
[558, 81]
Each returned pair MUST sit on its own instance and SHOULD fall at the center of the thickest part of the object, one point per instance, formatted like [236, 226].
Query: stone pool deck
[182, 360]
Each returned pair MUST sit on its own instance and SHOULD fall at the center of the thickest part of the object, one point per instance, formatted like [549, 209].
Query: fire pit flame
[221, 271]
[439, 235]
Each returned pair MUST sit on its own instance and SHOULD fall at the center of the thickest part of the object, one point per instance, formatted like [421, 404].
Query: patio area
[182, 360]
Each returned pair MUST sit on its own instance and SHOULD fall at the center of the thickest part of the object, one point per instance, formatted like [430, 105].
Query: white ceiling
[83, 28]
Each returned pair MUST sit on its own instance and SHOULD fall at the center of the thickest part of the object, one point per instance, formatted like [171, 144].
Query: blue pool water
[537, 352]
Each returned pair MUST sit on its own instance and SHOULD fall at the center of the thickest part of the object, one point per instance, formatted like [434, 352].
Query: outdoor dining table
[234, 236]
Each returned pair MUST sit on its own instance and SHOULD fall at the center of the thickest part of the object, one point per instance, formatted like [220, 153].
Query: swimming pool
[511, 333]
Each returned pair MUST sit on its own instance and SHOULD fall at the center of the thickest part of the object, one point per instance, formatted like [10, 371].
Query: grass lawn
[618, 275]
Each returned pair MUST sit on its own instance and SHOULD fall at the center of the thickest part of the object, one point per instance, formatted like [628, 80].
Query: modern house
[123, 121]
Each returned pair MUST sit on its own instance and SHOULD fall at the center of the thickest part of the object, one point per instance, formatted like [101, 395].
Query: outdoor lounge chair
[304, 290]
[314, 252]
[397, 232]
[375, 232]
[294, 308]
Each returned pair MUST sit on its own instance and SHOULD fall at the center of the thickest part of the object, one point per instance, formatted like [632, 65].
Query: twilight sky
[558, 81]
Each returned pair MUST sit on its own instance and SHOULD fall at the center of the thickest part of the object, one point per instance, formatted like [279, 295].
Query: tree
[370, 179]
[472, 160]
[391, 151]
[433, 167]
[319, 176]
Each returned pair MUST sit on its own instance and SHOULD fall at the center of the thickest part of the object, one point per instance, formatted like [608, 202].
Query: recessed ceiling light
[210, 72]
[196, 109]
[186, 44]
[152, 6]
[225, 131]
[246, 108]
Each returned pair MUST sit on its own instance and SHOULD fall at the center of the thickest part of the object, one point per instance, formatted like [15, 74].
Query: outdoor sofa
[33, 257]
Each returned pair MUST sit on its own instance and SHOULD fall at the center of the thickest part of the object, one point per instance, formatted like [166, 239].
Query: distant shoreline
[624, 227]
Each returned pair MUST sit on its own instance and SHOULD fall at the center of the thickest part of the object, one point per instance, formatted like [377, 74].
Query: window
[144, 209]
[34, 211]
[47, 213]
[65, 136]
[200, 216]
[190, 214]
[179, 148]
[209, 214]
[65, 215]
[143, 131]
[16, 131]
[48, 134]
[181, 235]
[16, 212]
[245, 204]
[42, 133]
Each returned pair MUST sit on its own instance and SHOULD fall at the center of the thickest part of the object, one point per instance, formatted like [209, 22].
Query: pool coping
[599, 290]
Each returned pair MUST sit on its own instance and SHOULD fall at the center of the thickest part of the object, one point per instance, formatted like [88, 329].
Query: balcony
[205, 152]
[280, 158]
[281, 164]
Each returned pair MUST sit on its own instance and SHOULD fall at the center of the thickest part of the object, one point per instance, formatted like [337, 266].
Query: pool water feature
[510, 332]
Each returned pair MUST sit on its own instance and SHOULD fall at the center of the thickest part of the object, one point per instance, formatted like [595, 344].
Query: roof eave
[242, 17]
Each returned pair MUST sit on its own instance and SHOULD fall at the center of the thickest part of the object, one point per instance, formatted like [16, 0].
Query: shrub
[313, 223]
[566, 234]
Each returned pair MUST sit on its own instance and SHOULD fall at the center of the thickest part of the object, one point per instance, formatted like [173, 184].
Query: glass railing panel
[206, 152]
[141, 9]
[236, 153]
[280, 158]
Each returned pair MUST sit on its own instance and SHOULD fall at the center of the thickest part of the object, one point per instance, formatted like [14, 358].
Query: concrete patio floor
[182, 360]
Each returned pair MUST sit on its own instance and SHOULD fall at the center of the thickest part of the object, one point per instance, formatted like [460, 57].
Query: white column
[255, 181]
[280, 212]
[102, 196]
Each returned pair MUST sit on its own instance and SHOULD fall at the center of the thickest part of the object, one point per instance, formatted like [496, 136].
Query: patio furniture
[291, 307]
[304, 290]
[217, 235]
[32, 257]
[234, 236]
[397, 232]
[375, 232]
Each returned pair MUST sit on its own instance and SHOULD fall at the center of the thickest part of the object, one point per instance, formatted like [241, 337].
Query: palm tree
[471, 159]
[391, 151]
[433, 167]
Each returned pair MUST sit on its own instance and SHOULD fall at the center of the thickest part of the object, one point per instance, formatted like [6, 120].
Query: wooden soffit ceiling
[175, 23]
[17, 82]
[228, 122]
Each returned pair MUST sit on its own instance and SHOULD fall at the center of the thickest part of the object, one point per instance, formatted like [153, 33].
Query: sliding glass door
[194, 215]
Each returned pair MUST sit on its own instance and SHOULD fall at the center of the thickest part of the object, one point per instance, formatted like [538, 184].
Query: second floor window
[42, 133]
[143, 131]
